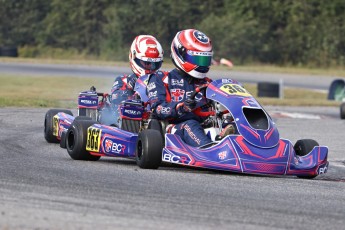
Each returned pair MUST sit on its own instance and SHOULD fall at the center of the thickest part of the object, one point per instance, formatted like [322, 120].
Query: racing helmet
[191, 52]
[145, 55]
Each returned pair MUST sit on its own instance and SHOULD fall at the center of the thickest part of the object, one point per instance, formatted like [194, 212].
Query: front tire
[303, 147]
[76, 138]
[148, 153]
[342, 110]
[49, 125]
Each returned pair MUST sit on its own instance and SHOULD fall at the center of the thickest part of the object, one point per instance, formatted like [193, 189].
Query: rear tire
[154, 124]
[342, 110]
[76, 138]
[84, 118]
[303, 147]
[48, 124]
[148, 153]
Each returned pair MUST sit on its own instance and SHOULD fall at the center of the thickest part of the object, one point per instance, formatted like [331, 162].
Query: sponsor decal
[191, 134]
[88, 102]
[113, 147]
[177, 82]
[323, 169]
[199, 53]
[108, 144]
[163, 110]
[176, 159]
[234, 89]
[151, 86]
[56, 125]
[132, 112]
[171, 158]
[158, 109]
[93, 139]
[166, 110]
[222, 155]
[153, 59]
[227, 81]
[198, 96]
[177, 94]
[153, 94]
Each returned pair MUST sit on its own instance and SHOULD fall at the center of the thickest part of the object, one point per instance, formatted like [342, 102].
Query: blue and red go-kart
[255, 147]
[94, 107]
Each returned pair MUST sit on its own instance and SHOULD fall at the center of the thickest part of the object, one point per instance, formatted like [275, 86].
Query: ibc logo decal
[108, 144]
[169, 157]
[114, 147]
[323, 168]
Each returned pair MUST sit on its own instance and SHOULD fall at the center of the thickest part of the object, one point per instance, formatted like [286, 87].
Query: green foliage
[282, 32]
[20, 21]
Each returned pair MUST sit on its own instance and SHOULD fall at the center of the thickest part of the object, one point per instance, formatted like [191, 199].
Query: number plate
[93, 139]
[234, 89]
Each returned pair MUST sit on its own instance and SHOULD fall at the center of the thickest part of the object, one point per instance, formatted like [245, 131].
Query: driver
[145, 57]
[169, 92]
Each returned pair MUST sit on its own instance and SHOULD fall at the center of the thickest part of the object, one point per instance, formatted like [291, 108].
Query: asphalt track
[41, 187]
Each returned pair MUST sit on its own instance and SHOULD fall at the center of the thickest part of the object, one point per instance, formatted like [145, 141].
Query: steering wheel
[197, 90]
[198, 111]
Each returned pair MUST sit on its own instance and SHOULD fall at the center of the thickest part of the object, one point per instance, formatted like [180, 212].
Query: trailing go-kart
[60, 126]
[255, 148]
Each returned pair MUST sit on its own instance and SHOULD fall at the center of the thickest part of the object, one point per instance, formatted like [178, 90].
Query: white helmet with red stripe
[191, 51]
[145, 55]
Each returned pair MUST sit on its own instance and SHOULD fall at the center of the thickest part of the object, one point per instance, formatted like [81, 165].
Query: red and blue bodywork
[102, 140]
[255, 149]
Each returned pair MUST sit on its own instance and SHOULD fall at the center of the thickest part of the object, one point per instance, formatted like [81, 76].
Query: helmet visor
[198, 58]
[148, 65]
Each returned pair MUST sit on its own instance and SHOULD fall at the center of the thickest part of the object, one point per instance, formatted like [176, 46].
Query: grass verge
[33, 91]
[62, 92]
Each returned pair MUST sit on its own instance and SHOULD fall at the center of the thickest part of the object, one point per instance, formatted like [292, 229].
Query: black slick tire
[342, 110]
[149, 148]
[76, 139]
[48, 124]
[156, 125]
[303, 147]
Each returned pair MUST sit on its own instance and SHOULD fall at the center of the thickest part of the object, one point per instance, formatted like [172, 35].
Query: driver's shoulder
[159, 76]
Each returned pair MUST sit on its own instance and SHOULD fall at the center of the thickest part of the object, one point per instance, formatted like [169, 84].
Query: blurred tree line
[282, 32]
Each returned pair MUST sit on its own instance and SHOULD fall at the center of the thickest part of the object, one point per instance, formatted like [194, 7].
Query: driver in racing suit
[145, 57]
[169, 92]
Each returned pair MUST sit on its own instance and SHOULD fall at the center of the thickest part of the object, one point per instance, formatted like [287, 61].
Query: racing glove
[131, 83]
[185, 107]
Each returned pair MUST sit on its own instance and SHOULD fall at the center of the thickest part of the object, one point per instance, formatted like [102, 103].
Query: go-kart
[255, 148]
[94, 108]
